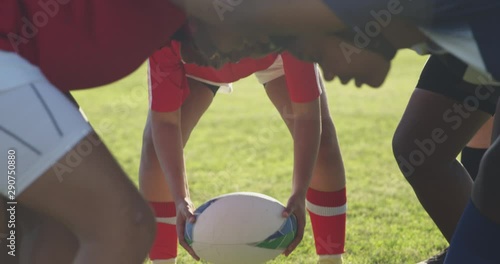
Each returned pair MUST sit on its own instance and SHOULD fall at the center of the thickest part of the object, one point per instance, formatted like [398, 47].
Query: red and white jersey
[87, 43]
[168, 86]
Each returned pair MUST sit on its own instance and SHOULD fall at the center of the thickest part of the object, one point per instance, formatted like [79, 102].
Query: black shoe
[437, 259]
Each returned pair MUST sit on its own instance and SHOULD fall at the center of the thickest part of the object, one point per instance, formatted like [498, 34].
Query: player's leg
[44, 240]
[485, 193]
[93, 196]
[476, 239]
[326, 197]
[428, 136]
[442, 115]
[475, 149]
[425, 146]
[196, 104]
[471, 157]
[153, 183]
[38, 238]
[58, 167]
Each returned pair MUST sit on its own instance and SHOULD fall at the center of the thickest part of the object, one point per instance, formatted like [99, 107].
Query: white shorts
[274, 71]
[459, 41]
[38, 124]
[224, 88]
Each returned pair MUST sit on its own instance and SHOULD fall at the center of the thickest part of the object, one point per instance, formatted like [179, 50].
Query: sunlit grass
[241, 144]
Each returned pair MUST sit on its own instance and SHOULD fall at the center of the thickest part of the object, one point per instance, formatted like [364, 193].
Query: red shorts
[169, 87]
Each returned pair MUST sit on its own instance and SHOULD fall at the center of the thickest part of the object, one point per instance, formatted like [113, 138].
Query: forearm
[167, 140]
[264, 17]
[307, 134]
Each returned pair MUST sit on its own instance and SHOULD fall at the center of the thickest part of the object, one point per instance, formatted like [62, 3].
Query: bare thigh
[92, 196]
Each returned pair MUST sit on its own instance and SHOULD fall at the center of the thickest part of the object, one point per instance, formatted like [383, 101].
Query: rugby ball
[243, 228]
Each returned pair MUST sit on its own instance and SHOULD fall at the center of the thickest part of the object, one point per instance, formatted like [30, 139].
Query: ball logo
[244, 228]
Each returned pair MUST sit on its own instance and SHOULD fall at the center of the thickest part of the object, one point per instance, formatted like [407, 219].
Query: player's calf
[164, 250]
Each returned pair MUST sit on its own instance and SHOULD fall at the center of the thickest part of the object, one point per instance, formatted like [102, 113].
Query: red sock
[165, 245]
[327, 211]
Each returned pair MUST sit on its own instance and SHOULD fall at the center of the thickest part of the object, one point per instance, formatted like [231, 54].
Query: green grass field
[241, 144]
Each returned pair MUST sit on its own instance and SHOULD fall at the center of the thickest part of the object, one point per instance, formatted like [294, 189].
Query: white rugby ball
[240, 228]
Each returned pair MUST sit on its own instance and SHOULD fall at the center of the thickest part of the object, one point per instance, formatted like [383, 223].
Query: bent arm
[304, 92]
[306, 137]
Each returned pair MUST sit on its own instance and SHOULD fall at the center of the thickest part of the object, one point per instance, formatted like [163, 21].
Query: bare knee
[142, 221]
[400, 151]
[135, 224]
[139, 231]
[415, 158]
[144, 226]
[125, 229]
[127, 232]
